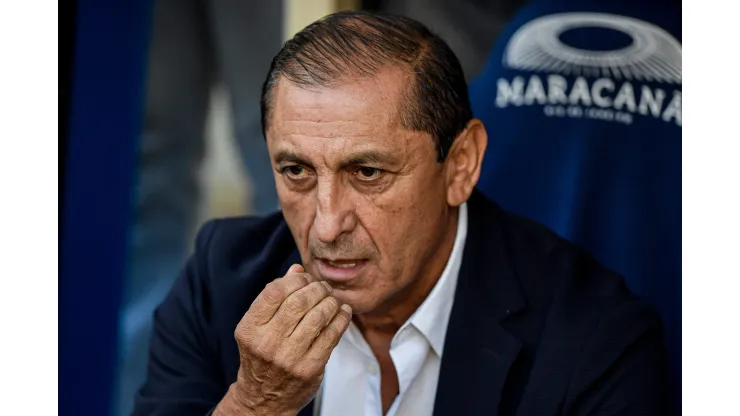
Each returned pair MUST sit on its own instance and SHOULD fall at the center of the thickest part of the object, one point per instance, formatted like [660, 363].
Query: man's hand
[285, 340]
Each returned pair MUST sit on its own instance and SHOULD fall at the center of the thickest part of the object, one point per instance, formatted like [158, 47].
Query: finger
[296, 268]
[329, 337]
[273, 295]
[297, 305]
[313, 322]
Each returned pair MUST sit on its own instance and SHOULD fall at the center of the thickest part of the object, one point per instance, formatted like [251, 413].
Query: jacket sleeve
[183, 377]
[622, 369]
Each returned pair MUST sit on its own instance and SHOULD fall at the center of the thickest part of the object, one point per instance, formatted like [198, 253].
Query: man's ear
[463, 162]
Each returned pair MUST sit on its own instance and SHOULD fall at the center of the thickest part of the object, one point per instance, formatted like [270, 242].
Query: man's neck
[388, 319]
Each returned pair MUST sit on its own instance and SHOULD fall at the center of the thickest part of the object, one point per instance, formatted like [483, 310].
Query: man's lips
[339, 270]
[342, 263]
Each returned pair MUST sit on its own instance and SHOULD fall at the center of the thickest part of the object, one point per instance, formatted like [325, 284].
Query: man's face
[365, 199]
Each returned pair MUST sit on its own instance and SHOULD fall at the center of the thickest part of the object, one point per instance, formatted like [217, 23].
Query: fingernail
[296, 268]
[327, 286]
[347, 308]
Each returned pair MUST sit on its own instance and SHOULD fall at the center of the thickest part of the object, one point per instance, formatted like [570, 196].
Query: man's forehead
[354, 117]
[372, 102]
[340, 149]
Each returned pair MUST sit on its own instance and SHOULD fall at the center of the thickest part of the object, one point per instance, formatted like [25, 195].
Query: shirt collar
[432, 317]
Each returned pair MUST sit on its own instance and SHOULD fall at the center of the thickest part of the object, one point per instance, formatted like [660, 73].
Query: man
[403, 291]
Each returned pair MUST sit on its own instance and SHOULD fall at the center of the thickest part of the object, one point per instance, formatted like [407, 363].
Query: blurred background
[182, 79]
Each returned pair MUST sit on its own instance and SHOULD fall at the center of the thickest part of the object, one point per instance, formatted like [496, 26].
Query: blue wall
[106, 108]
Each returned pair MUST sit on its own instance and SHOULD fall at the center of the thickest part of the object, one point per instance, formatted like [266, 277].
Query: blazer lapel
[478, 351]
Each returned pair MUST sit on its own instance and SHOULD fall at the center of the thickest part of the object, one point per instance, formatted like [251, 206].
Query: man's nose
[335, 212]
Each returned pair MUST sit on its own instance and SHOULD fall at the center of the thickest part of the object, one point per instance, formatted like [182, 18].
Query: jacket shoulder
[236, 258]
[570, 289]
[232, 241]
[587, 317]
[548, 265]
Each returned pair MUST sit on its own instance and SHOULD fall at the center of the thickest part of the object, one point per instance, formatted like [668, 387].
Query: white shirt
[351, 383]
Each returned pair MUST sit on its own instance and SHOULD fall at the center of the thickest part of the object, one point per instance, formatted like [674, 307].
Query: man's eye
[295, 171]
[368, 174]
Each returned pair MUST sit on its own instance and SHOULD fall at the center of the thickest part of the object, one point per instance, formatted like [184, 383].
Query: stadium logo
[610, 85]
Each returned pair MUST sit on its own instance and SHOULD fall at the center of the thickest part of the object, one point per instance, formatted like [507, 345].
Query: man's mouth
[342, 264]
[340, 270]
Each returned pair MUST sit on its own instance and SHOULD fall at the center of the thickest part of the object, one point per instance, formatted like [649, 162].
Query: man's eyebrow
[284, 156]
[367, 158]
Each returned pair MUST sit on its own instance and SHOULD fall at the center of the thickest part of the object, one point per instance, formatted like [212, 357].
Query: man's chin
[355, 299]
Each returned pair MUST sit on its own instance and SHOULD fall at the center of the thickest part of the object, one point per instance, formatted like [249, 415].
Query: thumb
[296, 268]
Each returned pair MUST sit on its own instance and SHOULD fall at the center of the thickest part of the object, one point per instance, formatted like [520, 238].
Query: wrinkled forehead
[356, 113]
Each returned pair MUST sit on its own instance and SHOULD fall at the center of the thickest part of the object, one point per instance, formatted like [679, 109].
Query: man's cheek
[299, 214]
[294, 202]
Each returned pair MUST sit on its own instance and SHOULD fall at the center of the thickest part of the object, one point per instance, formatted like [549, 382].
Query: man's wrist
[231, 405]
[234, 404]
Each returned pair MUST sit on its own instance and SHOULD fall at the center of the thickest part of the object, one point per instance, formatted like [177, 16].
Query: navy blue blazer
[538, 327]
